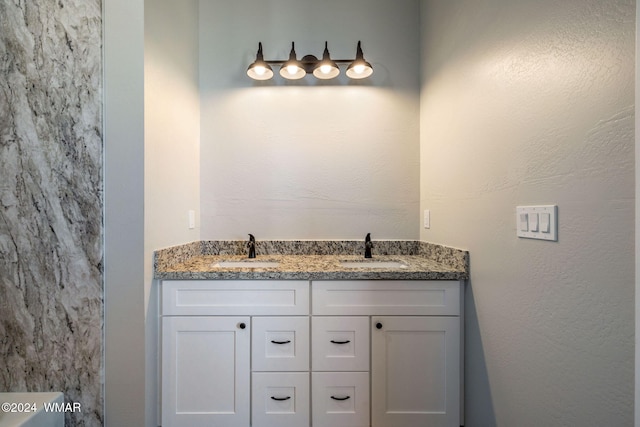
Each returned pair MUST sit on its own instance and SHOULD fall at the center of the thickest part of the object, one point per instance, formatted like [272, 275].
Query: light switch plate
[427, 218]
[546, 222]
[192, 219]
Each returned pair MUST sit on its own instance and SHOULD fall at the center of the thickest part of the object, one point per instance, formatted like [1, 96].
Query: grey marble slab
[51, 305]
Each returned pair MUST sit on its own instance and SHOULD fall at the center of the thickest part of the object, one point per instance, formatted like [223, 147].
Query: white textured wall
[172, 156]
[533, 103]
[309, 160]
[124, 333]
[172, 122]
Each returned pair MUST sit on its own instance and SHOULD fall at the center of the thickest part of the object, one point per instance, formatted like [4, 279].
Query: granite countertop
[311, 260]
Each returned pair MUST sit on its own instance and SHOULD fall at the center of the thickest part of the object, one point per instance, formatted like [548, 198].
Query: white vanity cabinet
[209, 328]
[415, 346]
[294, 353]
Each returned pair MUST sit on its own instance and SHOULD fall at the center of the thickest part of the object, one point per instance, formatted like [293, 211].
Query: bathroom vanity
[301, 340]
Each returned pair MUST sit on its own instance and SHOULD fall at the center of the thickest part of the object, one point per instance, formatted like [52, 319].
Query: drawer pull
[340, 342]
[281, 398]
[280, 342]
[340, 398]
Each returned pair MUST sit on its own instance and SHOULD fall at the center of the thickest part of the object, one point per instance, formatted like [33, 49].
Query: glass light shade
[359, 70]
[260, 71]
[292, 72]
[326, 71]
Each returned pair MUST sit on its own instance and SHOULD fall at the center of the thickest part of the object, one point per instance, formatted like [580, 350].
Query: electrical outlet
[427, 218]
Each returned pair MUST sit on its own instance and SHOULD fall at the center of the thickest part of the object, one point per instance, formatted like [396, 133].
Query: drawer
[340, 399]
[234, 297]
[386, 297]
[280, 399]
[340, 343]
[280, 344]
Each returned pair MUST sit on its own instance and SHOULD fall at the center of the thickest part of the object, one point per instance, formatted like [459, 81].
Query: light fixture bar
[294, 69]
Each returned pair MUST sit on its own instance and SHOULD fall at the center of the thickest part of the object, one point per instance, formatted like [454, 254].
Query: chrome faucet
[368, 245]
[251, 244]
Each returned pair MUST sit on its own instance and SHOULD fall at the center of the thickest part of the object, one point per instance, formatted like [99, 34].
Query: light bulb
[259, 70]
[292, 69]
[358, 69]
[326, 69]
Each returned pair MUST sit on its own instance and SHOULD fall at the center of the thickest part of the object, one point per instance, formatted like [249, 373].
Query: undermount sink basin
[372, 264]
[246, 264]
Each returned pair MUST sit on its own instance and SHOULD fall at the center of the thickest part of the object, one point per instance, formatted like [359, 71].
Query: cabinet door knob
[242, 325]
[281, 398]
[340, 398]
[379, 325]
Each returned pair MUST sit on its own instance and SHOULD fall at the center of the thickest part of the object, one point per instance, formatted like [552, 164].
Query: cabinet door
[205, 371]
[415, 371]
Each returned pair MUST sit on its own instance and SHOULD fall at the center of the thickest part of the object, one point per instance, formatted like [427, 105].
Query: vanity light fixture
[294, 69]
[260, 69]
[326, 68]
[359, 69]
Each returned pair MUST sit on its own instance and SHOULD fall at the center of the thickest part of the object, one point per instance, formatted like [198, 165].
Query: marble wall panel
[51, 299]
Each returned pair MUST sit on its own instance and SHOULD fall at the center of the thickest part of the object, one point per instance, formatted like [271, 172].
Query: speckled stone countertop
[311, 260]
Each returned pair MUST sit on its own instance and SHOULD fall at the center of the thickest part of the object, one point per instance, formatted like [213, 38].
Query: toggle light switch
[524, 222]
[537, 222]
[533, 222]
[544, 222]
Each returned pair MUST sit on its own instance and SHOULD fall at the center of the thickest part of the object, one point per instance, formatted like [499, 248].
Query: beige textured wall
[533, 103]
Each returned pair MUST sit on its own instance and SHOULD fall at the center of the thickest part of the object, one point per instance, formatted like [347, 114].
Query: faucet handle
[251, 244]
[368, 244]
